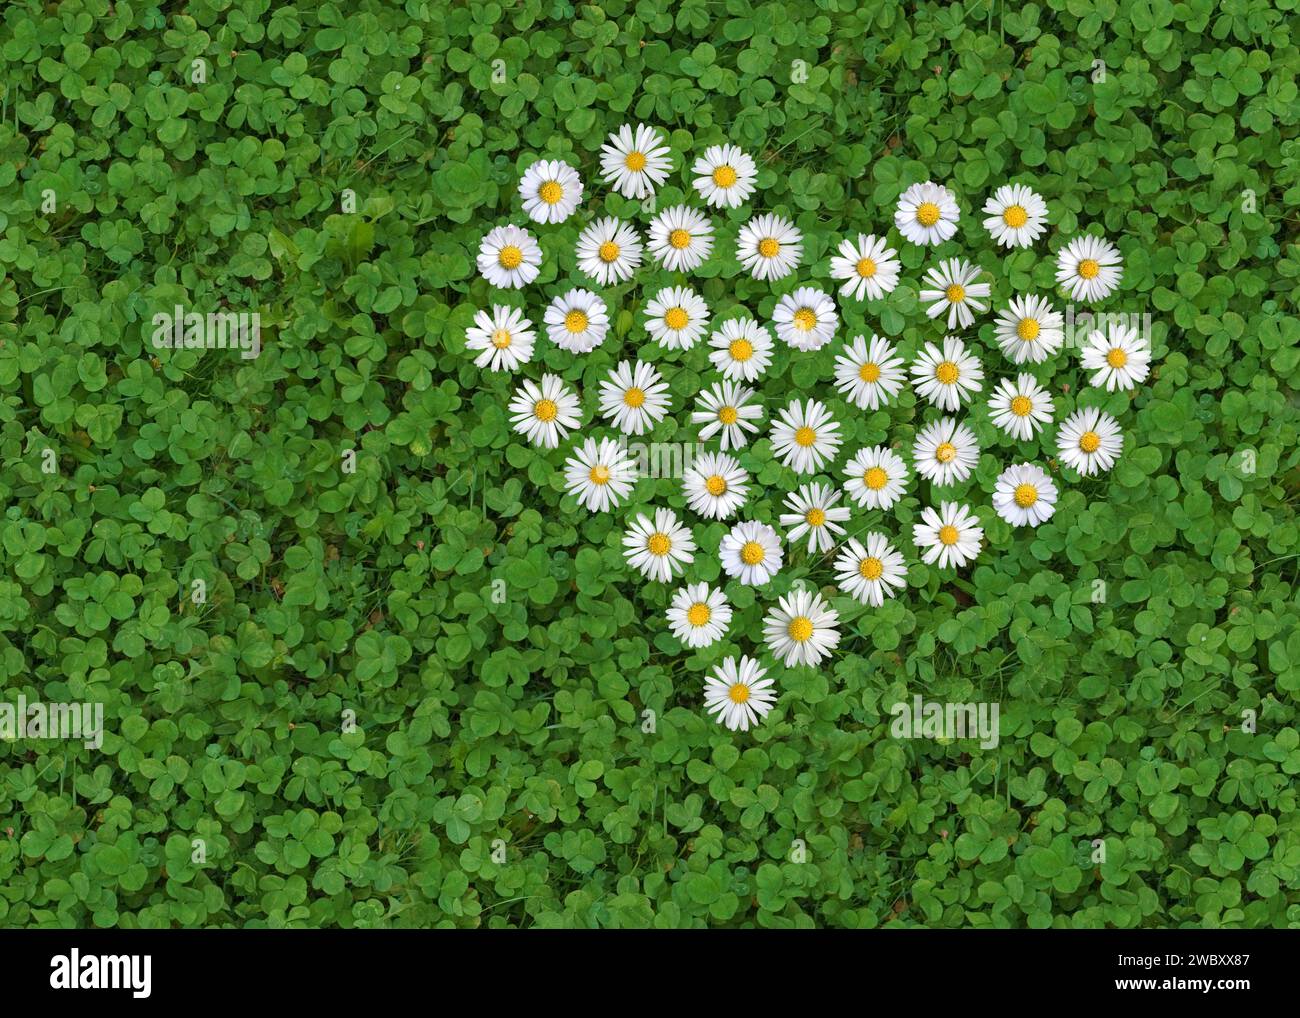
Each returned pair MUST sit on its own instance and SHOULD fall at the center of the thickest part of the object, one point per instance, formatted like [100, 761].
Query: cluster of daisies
[802, 628]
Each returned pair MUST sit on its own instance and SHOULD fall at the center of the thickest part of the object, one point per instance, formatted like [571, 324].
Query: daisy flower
[1029, 330]
[680, 238]
[550, 191]
[1089, 440]
[927, 214]
[868, 266]
[508, 257]
[806, 319]
[609, 251]
[659, 548]
[635, 163]
[738, 695]
[545, 413]
[769, 246]
[676, 317]
[801, 630]
[599, 474]
[869, 376]
[751, 553]
[949, 376]
[877, 478]
[1021, 408]
[1120, 358]
[1024, 495]
[872, 572]
[715, 485]
[699, 616]
[1089, 268]
[724, 176]
[950, 535]
[577, 322]
[951, 287]
[634, 398]
[1016, 216]
[814, 511]
[945, 452]
[742, 349]
[503, 339]
[726, 408]
[805, 436]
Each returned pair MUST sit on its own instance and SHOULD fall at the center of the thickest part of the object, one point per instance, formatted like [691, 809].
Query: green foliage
[512, 711]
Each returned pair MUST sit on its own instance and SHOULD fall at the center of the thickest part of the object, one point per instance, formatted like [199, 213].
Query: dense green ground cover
[497, 657]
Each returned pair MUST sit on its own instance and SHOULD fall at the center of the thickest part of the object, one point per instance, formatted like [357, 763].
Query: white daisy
[947, 377]
[951, 287]
[635, 163]
[1016, 216]
[550, 190]
[726, 408]
[676, 317]
[877, 478]
[769, 246]
[814, 510]
[1119, 359]
[868, 266]
[751, 553]
[1029, 330]
[508, 257]
[699, 616]
[599, 474]
[1089, 440]
[872, 572]
[869, 376]
[738, 695]
[634, 398]
[801, 629]
[503, 339]
[680, 238]
[1024, 495]
[609, 251]
[545, 413]
[950, 536]
[1089, 268]
[804, 436]
[724, 176]
[1021, 408]
[659, 548]
[927, 214]
[577, 321]
[945, 452]
[806, 319]
[742, 349]
[715, 485]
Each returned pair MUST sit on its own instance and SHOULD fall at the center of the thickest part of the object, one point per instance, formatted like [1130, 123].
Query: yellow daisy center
[550, 192]
[869, 372]
[738, 693]
[724, 176]
[676, 319]
[871, 568]
[716, 485]
[1028, 329]
[805, 436]
[1090, 441]
[728, 415]
[599, 474]
[815, 517]
[634, 397]
[866, 268]
[769, 247]
[1021, 405]
[510, 257]
[1088, 268]
[635, 161]
[805, 319]
[576, 321]
[741, 349]
[679, 239]
[1015, 216]
[948, 534]
[946, 372]
[699, 614]
[955, 293]
[501, 338]
[1117, 358]
[927, 213]
[658, 544]
[800, 628]
[1026, 495]
[752, 553]
[608, 251]
[545, 410]
[945, 452]
[875, 478]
